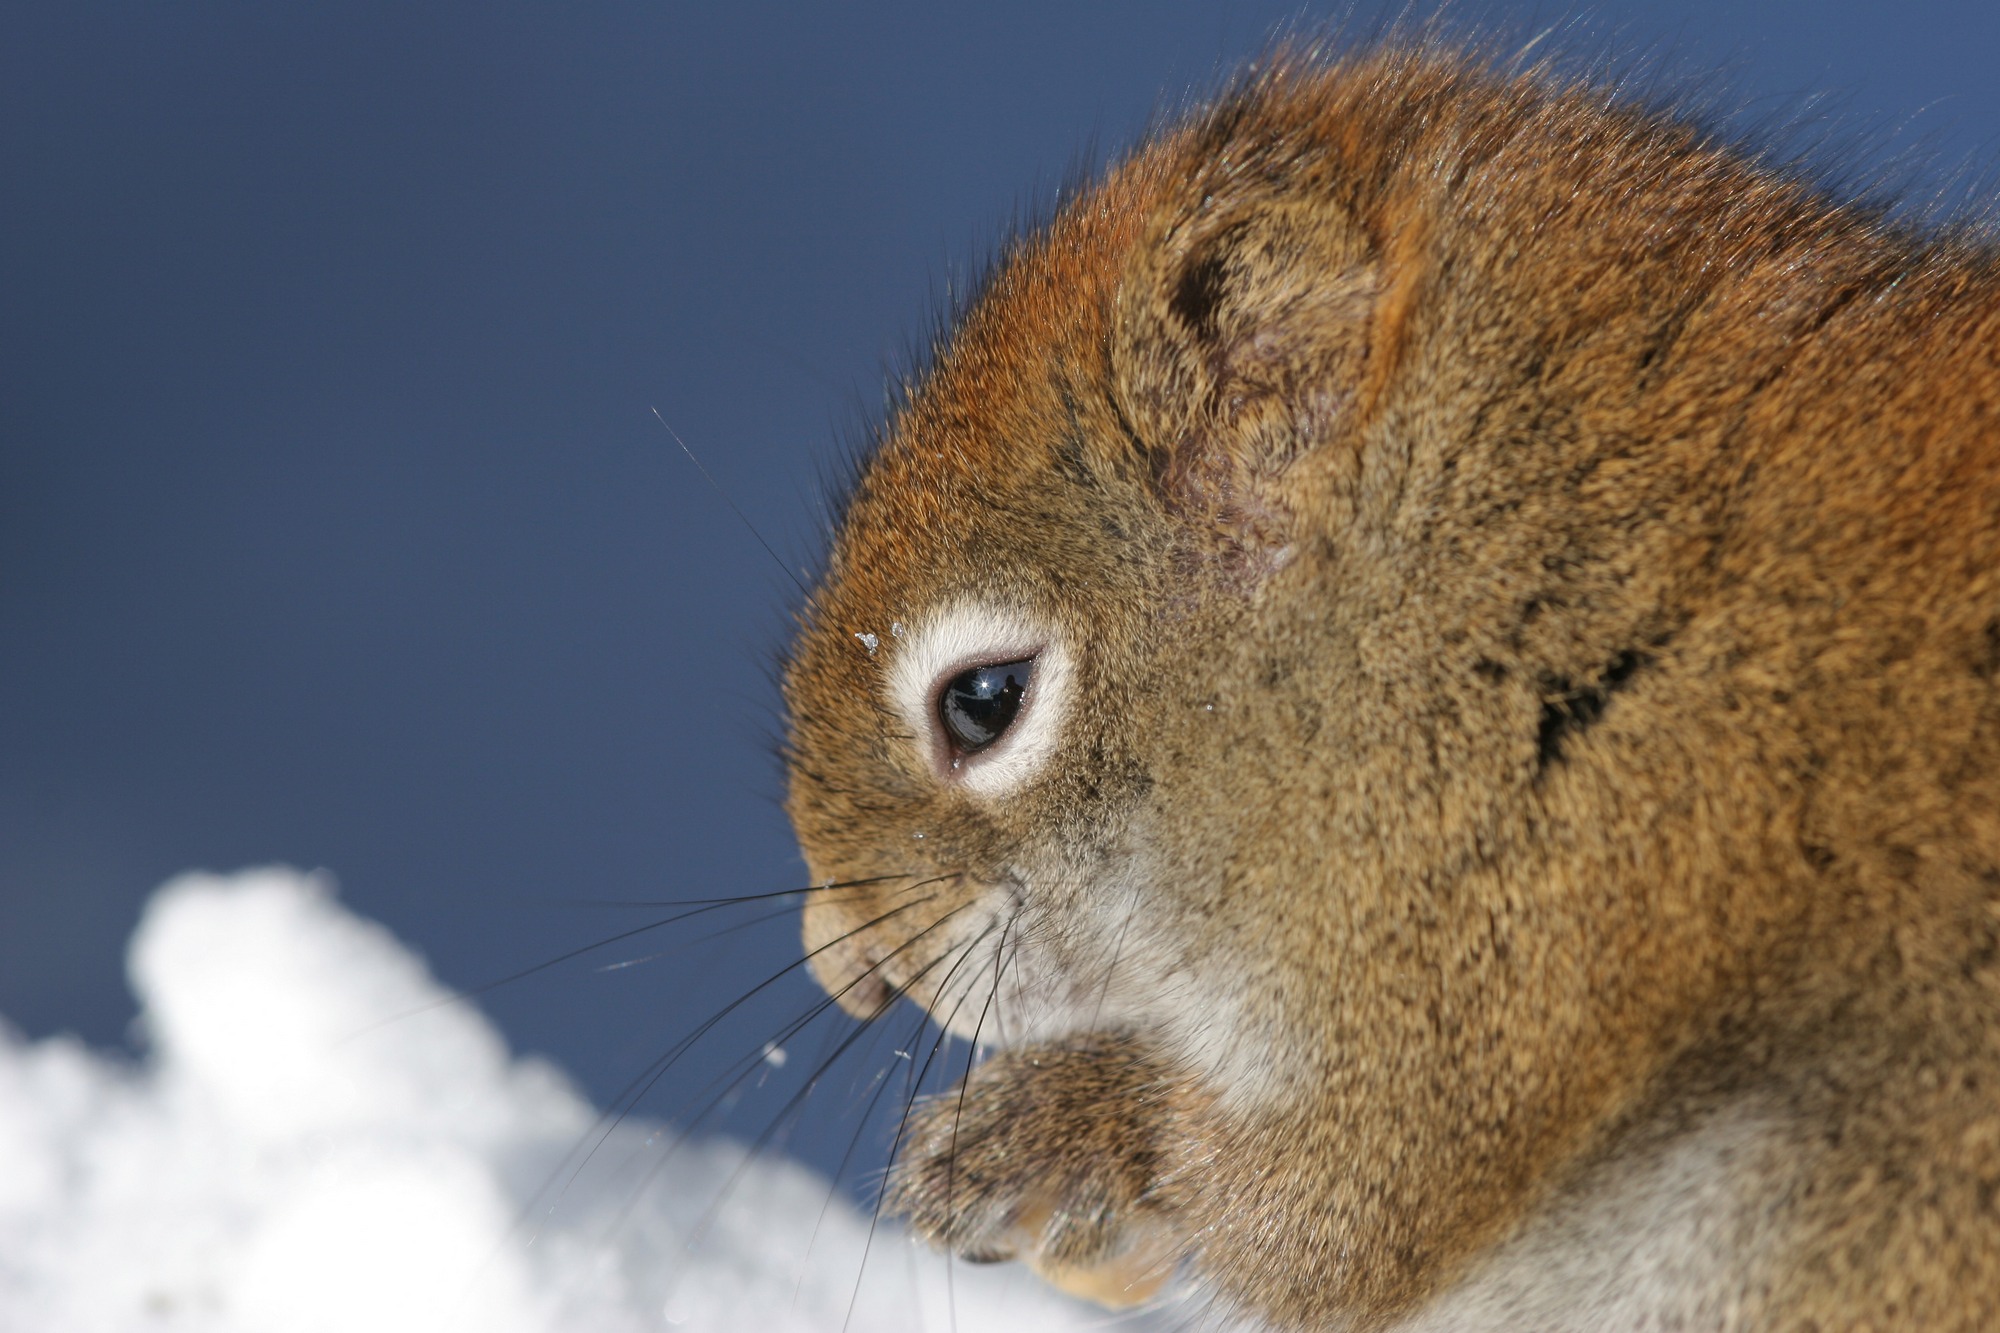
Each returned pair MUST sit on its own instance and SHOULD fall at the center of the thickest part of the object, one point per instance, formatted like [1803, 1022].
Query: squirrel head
[1214, 465]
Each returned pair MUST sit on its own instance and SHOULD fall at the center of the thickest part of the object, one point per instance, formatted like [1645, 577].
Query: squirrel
[1420, 668]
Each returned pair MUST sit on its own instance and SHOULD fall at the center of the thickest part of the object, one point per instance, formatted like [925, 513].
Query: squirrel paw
[1050, 1155]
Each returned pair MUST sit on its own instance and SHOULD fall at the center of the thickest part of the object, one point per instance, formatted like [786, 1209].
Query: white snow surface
[319, 1141]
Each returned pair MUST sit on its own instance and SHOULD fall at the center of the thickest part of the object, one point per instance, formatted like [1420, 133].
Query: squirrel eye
[980, 703]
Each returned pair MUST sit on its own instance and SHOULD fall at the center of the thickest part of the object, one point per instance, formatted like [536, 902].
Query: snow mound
[319, 1142]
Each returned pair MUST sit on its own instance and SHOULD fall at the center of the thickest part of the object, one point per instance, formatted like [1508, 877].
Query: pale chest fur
[1656, 1242]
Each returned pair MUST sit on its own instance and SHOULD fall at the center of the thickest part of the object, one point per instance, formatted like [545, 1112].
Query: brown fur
[1535, 581]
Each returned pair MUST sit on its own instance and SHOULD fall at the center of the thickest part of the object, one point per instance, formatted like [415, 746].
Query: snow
[320, 1140]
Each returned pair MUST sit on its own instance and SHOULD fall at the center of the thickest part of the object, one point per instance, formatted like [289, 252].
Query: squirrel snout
[847, 966]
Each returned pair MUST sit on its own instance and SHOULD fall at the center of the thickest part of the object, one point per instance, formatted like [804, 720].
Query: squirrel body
[1501, 828]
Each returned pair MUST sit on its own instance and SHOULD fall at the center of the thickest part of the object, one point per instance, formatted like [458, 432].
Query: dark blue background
[335, 527]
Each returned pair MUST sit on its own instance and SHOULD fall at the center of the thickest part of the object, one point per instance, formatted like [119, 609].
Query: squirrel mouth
[853, 974]
[865, 995]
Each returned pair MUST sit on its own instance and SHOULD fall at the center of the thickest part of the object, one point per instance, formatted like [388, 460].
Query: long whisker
[798, 1099]
[797, 582]
[733, 928]
[739, 897]
[744, 1064]
[958, 1117]
[882, 1082]
[698, 907]
[629, 1096]
[727, 1080]
[903, 1125]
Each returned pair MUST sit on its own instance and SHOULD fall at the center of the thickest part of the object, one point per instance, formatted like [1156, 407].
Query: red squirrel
[1422, 667]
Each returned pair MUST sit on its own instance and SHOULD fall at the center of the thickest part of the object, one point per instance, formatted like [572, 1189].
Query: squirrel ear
[1239, 344]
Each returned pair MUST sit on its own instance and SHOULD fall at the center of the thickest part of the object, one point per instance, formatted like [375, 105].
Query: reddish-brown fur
[1533, 575]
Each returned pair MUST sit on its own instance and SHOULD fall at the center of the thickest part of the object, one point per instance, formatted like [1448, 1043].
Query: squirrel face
[1357, 670]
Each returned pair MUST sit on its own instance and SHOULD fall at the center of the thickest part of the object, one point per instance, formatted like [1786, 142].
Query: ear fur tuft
[1239, 344]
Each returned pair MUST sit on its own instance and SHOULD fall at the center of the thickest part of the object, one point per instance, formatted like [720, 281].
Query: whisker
[745, 1064]
[958, 1117]
[698, 907]
[797, 1100]
[760, 919]
[797, 582]
[740, 897]
[627, 1099]
[914, 1084]
[882, 1082]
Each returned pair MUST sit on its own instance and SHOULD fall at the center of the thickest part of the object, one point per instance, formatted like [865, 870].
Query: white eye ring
[954, 639]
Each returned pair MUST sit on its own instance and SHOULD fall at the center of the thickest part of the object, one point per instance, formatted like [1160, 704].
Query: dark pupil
[979, 704]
